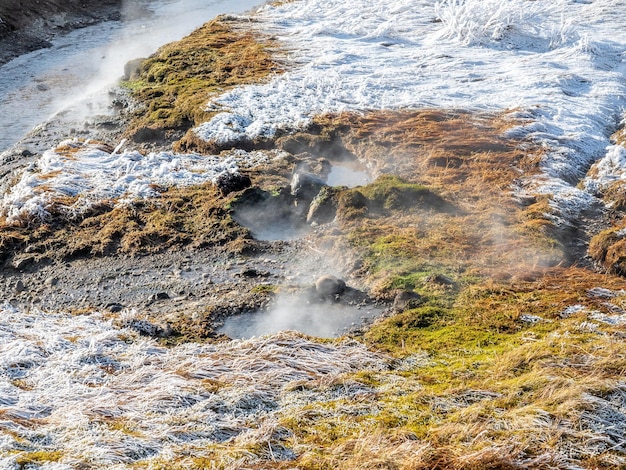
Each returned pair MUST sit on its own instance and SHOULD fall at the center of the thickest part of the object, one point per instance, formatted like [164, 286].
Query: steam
[321, 309]
[70, 80]
[324, 320]
[145, 27]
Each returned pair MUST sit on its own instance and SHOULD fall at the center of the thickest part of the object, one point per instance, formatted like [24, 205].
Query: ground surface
[28, 25]
[502, 338]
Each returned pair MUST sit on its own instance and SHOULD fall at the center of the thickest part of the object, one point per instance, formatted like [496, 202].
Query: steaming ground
[84, 388]
[559, 63]
[326, 320]
[78, 67]
[552, 62]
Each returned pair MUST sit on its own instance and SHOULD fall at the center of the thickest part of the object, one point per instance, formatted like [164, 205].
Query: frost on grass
[86, 172]
[552, 62]
[79, 387]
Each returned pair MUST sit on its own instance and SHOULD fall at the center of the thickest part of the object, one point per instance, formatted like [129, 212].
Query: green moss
[265, 289]
[389, 192]
[27, 459]
[175, 85]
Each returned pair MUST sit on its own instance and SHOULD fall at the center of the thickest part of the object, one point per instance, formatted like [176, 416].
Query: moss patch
[175, 85]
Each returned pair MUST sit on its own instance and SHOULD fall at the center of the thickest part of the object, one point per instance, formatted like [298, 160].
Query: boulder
[231, 182]
[305, 186]
[323, 207]
[406, 300]
[329, 286]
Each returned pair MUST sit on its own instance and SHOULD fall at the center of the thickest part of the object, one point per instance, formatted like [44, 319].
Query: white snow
[86, 170]
[104, 396]
[609, 169]
[559, 63]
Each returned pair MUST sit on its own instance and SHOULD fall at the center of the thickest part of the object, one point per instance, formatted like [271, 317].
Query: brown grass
[464, 158]
[176, 84]
[193, 216]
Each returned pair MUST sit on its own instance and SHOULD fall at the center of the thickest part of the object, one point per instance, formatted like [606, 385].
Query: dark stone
[160, 296]
[253, 273]
[19, 286]
[323, 208]
[329, 286]
[440, 279]
[305, 186]
[406, 300]
[231, 182]
[114, 307]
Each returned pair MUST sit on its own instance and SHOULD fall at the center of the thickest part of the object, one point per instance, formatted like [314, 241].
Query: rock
[160, 296]
[146, 328]
[231, 182]
[406, 300]
[114, 307]
[252, 273]
[19, 286]
[51, 281]
[323, 207]
[440, 279]
[329, 286]
[305, 186]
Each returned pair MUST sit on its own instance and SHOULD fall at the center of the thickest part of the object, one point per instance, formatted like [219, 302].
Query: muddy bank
[29, 25]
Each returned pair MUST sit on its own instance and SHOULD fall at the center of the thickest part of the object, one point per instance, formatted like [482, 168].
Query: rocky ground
[182, 293]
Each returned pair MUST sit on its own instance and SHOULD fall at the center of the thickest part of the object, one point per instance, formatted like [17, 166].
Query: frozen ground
[559, 65]
[79, 65]
[102, 395]
[99, 393]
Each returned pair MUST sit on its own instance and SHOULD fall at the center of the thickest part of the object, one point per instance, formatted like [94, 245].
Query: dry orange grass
[466, 158]
[176, 83]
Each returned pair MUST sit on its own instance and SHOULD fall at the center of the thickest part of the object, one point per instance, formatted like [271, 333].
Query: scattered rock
[406, 300]
[329, 286]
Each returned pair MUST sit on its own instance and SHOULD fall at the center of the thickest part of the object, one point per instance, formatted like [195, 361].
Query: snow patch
[89, 172]
[560, 63]
[107, 397]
